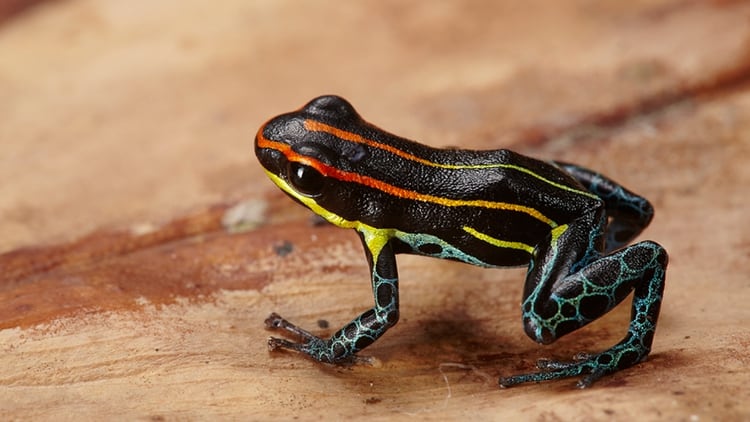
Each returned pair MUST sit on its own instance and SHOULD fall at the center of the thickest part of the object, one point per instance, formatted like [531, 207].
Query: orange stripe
[396, 191]
[316, 126]
[353, 137]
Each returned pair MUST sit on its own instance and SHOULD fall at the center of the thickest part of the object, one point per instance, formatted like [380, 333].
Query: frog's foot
[594, 366]
[311, 345]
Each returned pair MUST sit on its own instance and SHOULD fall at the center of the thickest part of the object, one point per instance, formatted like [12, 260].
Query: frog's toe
[276, 323]
[275, 343]
[592, 366]
[550, 370]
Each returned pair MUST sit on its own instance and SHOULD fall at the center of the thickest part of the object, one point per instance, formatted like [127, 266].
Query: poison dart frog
[570, 225]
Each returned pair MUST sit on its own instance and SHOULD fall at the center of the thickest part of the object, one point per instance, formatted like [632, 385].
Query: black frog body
[496, 208]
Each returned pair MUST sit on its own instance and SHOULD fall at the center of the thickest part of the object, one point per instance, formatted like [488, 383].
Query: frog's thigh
[628, 212]
[570, 284]
[556, 298]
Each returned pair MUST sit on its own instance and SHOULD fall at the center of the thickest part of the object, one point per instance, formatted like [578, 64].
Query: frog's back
[494, 206]
[454, 183]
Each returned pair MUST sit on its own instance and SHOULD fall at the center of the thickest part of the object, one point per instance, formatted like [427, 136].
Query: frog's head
[304, 154]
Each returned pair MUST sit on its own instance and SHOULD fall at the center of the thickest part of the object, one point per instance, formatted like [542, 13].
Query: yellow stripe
[310, 203]
[557, 232]
[499, 243]
[375, 238]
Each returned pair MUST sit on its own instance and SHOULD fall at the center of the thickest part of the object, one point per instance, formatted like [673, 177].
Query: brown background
[128, 290]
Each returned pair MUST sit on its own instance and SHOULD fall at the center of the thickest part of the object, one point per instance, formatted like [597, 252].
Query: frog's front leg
[570, 284]
[361, 331]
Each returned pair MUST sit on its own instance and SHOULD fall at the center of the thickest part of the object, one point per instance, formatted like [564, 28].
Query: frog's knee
[538, 332]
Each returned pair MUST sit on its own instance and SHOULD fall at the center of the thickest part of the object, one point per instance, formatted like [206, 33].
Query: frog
[570, 226]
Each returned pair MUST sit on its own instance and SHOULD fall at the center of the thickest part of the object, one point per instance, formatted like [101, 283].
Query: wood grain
[132, 287]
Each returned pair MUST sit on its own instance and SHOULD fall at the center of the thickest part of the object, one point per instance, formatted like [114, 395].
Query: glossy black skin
[569, 224]
[376, 208]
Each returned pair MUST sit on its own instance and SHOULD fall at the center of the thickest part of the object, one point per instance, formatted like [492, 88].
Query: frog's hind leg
[628, 212]
[569, 285]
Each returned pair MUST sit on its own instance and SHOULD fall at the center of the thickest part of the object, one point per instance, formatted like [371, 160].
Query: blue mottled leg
[363, 330]
[569, 285]
[628, 213]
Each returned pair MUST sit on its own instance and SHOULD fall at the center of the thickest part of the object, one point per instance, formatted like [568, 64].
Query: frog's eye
[305, 179]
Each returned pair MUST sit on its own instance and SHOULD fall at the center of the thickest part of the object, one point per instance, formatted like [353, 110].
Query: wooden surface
[132, 287]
